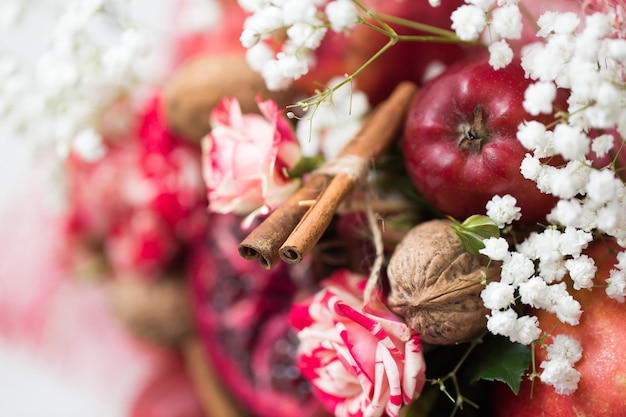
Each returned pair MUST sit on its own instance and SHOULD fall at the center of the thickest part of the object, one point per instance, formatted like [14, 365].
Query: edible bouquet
[352, 207]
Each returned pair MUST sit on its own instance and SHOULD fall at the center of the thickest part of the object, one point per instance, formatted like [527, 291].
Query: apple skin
[602, 388]
[459, 175]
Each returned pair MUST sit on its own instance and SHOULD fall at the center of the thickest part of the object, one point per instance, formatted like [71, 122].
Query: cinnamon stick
[264, 241]
[373, 140]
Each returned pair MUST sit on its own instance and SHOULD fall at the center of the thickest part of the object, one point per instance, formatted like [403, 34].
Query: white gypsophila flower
[502, 322]
[562, 48]
[538, 98]
[498, 295]
[546, 242]
[566, 182]
[301, 11]
[482, 4]
[561, 303]
[537, 244]
[552, 266]
[252, 6]
[503, 210]
[582, 270]
[258, 56]
[539, 63]
[602, 144]
[291, 66]
[534, 293]
[506, 21]
[571, 142]
[516, 269]
[496, 248]
[79, 75]
[555, 22]
[561, 375]
[249, 38]
[584, 81]
[572, 241]
[567, 213]
[342, 15]
[615, 49]
[597, 25]
[602, 185]
[265, 21]
[532, 135]
[335, 122]
[500, 54]
[118, 60]
[611, 218]
[616, 285]
[526, 330]
[507, 2]
[273, 76]
[11, 13]
[434, 3]
[306, 35]
[566, 348]
[88, 145]
[531, 167]
[621, 260]
[468, 21]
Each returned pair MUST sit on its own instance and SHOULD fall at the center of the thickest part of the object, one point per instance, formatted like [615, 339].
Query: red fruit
[169, 393]
[342, 53]
[602, 388]
[222, 38]
[241, 314]
[460, 143]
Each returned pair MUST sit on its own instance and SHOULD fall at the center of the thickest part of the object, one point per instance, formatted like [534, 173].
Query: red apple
[602, 388]
[460, 143]
[342, 53]
[221, 39]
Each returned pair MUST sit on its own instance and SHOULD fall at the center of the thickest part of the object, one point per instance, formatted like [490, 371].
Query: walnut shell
[435, 284]
[158, 311]
[201, 82]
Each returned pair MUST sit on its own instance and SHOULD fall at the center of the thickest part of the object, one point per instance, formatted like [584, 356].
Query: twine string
[353, 166]
[357, 169]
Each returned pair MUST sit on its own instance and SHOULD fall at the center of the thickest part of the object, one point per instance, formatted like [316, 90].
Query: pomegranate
[241, 313]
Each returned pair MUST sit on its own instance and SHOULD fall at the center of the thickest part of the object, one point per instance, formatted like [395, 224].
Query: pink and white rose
[361, 359]
[246, 157]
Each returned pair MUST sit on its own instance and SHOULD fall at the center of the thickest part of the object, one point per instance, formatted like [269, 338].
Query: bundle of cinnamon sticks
[292, 230]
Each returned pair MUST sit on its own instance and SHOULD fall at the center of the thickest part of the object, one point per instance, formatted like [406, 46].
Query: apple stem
[474, 133]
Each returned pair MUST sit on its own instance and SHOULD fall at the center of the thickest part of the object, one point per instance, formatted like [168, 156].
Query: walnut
[157, 311]
[436, 284]
[201, 82]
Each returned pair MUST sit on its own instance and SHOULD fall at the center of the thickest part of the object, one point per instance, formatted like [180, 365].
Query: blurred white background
[58, 374]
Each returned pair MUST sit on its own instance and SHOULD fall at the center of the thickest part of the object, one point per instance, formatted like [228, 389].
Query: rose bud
[246, 158]
[361, 359]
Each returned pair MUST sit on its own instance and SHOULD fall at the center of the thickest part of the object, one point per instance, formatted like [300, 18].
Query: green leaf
[422, 406]
[499, 359]
[305, 165]
[474, 230]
